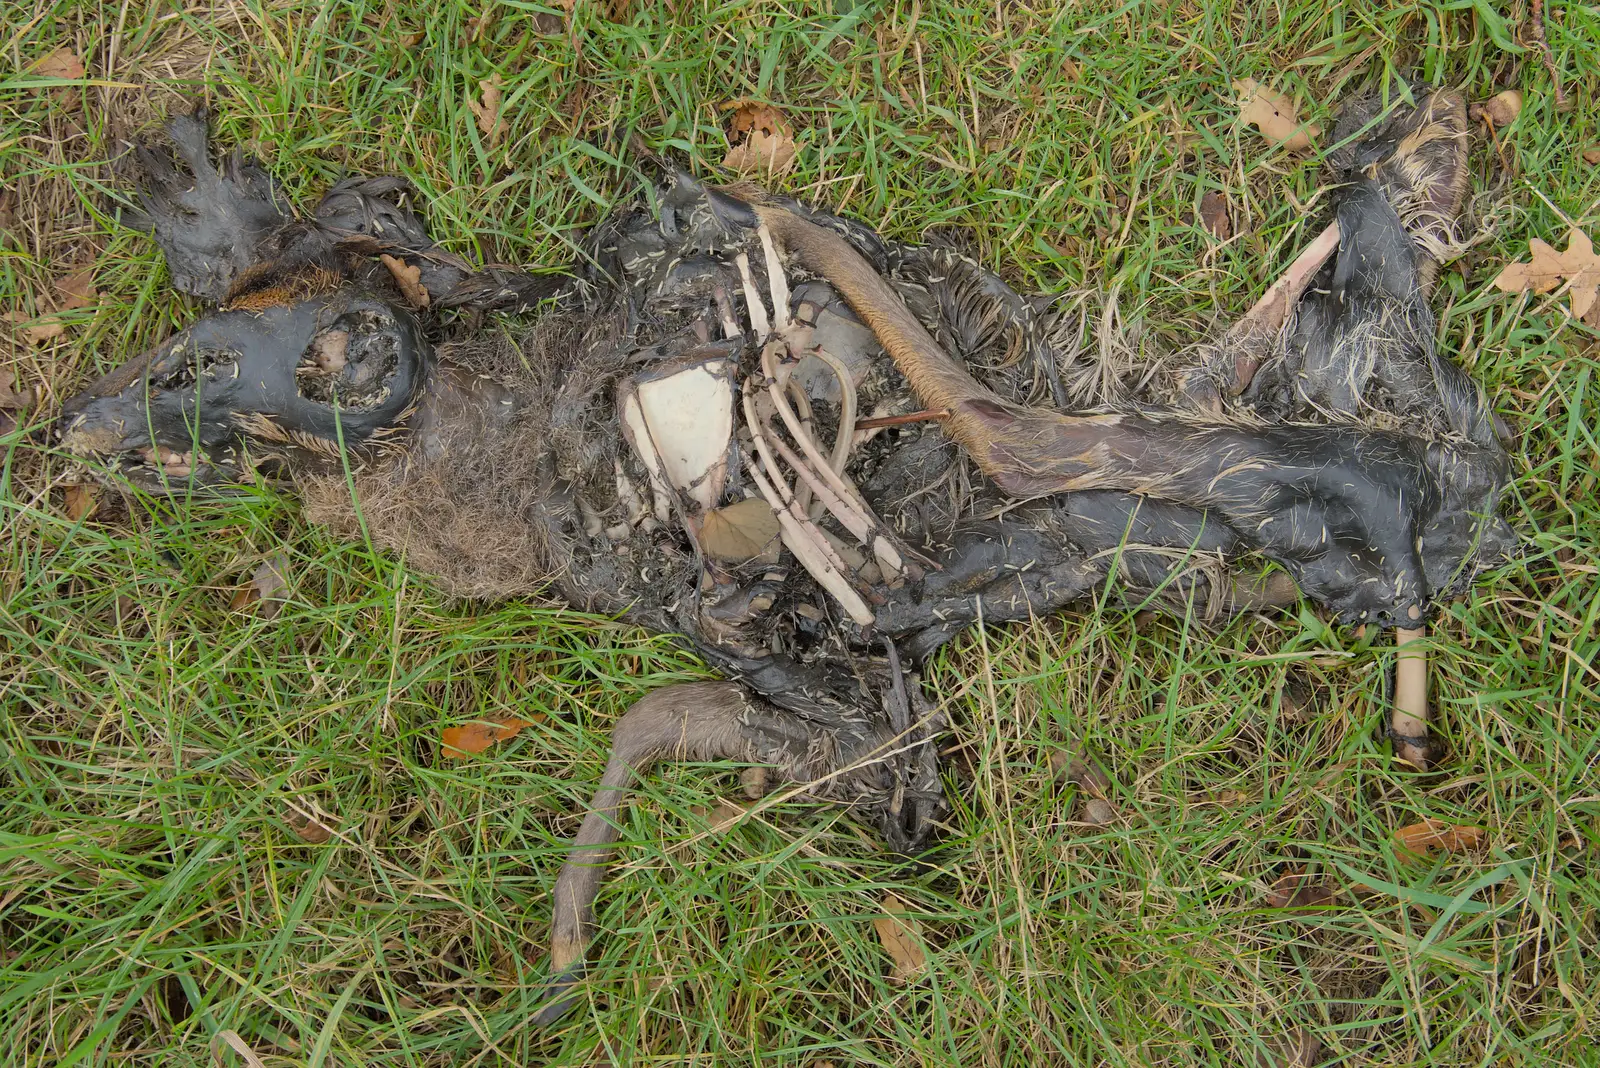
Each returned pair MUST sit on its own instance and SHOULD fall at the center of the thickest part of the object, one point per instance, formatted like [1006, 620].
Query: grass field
[159, 749]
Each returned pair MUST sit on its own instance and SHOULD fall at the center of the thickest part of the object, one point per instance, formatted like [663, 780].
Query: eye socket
[187, 364]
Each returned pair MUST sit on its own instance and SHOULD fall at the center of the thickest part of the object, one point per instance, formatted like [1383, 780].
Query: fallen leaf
[901, 935]
[1297, 1049]
[1591, 156]
[409, 278]
[760, 141]
[36, 331]
[478, 25]
[740, 531]
[475, 737]
[720, 816]
[490, 124]
[1297, 890]
[1299, 701]
[1098, 812]
[1547, 269]
[239, 1046]
[81, 501]
[62, 63]
[310, 829]
[1433, 836]
[1080, 771]
[411, 40]
[11, 400]
[1214, 215]
[1498, 110]
[268, 590]
[77, 289]
[1275, 115]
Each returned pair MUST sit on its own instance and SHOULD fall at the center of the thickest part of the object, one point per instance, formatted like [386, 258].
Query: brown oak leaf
[1213, 215]
[36, 331]
[310, 829]
[1275, 115]
[740, 531]
[409, 278]
[62, 63]
[1297, 890]
[1547, 269]
[480, 734]
[77, 289]
[720, 816]
[1436, 836]
[760, 140]
[901, 935]
[490, 124]
[80, 502]
[268, 589]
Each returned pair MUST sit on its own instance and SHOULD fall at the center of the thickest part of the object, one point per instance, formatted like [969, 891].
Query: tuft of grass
[158, 749]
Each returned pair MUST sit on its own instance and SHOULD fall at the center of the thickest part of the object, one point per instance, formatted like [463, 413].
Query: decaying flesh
[818, 454]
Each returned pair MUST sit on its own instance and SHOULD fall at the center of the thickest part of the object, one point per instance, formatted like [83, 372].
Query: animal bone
[1408, 722]
[679, 420]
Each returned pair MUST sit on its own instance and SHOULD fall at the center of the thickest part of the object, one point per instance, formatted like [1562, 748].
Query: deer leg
[697, 721]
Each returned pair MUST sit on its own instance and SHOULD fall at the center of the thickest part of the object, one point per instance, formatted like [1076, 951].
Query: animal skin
[907, 445]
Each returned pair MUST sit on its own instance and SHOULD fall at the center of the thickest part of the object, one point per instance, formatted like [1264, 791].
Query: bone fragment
[1408, 722]
[752, 299]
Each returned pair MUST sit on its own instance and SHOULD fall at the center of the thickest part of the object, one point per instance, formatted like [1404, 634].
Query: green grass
[156, 745]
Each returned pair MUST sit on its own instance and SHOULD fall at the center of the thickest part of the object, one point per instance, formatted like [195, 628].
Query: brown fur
[466, 501]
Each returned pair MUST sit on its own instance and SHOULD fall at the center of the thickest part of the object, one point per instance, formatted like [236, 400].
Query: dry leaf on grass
[1547, 269]
[1298, 700]
[475, 737]
[901, 935]
[65, 65]
[740, 531]
[1098, 812]
[1297, 890]
[478, 25]
[1436, 836]
[268, 590]
[1080, 771]
[1275, 115]
[1297, 1049]
[490, 124]
[720, 816]
[36, 331]
[1498, 110]
[309, 829]
[11, 398]
[81, 501]
[760, 140]
[1591, 156]
[409, 279]
[77, 289]
[1213, 215]
[62, 63]
[233, 1040]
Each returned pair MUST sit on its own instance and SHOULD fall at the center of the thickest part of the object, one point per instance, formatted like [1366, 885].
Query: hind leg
[846, 759]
